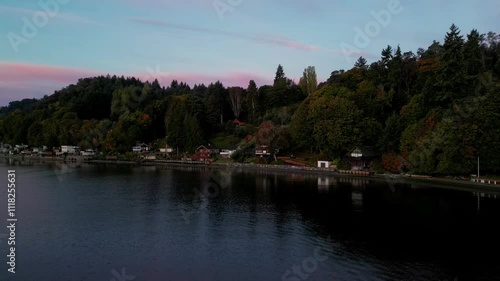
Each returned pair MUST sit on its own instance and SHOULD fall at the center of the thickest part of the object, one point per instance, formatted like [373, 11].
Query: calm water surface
[122, 223]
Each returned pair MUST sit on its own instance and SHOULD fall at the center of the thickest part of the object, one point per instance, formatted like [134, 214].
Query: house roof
[201, 146]
[366, 151]
[142, 144]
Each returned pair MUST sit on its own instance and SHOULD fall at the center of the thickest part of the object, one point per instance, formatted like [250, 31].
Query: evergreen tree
[280, 75]
[452, 73]
[360, 63]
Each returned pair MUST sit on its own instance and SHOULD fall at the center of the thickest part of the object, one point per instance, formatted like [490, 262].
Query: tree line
[434, 111]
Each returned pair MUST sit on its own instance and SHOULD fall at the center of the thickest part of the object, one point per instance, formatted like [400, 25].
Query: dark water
[121, 223]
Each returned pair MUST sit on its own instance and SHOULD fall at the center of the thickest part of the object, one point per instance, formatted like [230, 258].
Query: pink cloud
[263, 39]
[14, 72]
[281, 41]
[23, 80]
[167, 3]
[59, 15]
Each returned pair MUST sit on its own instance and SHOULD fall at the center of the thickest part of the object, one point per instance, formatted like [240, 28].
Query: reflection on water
[260, 224]
[484, 196]
[357, 200]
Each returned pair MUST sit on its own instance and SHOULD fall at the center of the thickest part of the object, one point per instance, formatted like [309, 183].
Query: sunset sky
[202, 41]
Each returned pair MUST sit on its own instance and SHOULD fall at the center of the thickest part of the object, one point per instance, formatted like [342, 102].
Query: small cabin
[324, 164]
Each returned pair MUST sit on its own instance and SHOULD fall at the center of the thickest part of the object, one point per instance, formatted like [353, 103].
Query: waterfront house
[227, 153]
[87, 152]
[202, 153]
[361, 157]
[5, 148]
[20, 147]
[146, 147]
[166, 150]
[238, 123]
[324, 164]
[262, 150]
[69, 149]
[142, 147]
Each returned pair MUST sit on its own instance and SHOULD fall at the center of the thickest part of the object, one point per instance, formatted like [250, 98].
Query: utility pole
[478, 167]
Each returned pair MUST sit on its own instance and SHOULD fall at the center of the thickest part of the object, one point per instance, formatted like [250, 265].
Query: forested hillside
[432, 112]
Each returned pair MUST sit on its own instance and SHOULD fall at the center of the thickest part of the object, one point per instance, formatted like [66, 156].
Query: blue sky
[200, 41]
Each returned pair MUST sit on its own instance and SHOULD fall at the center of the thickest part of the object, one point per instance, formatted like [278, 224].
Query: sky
[46, 45]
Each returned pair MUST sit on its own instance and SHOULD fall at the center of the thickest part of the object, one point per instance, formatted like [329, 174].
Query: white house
[4, 148]
[20, 147]
[167, 149]
[324, 164]
[226, 153]
[69, 149]
[141, 147]
[262, 150]
[87, 152]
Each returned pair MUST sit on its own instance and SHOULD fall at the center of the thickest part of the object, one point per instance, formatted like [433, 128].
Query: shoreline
[422, 181]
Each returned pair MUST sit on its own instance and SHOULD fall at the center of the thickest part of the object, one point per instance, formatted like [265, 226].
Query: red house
[238, 122]
[202, 154]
